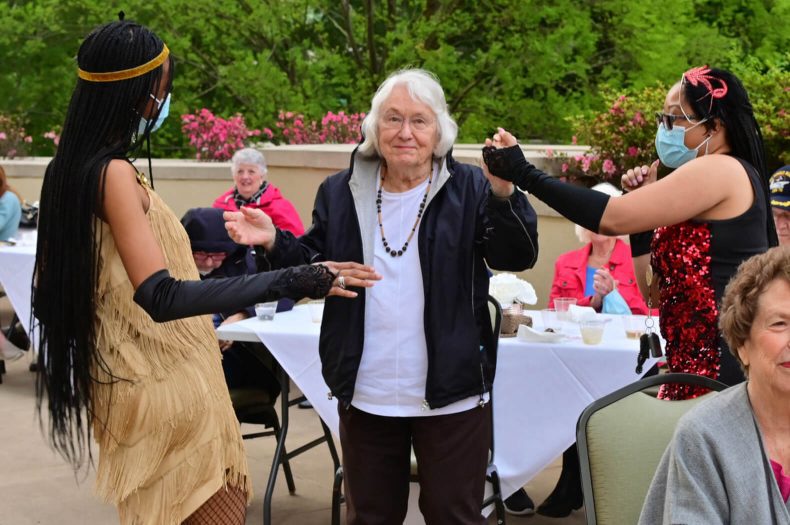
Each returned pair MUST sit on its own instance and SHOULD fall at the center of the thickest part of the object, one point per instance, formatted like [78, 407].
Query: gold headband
[112, 76]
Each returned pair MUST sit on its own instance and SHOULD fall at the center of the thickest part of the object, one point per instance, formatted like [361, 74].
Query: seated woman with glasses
[709, 215]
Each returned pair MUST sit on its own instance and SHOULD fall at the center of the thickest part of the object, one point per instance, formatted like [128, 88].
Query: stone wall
[298, 171]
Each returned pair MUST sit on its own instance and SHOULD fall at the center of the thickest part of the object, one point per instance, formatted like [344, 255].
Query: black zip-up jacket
[463, 227]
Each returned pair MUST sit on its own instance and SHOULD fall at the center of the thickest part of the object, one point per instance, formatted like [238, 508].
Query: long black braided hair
[734, 110]
[101, 124]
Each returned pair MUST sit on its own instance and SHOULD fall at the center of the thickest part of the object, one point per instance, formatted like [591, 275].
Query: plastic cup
[512, 309]
[551, 322]
[316, 310]
[266, 311]
[592, 331]
[561, 305]
[634, 326]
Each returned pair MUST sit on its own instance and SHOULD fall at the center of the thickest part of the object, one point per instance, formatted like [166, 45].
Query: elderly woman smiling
[252, 189]
[413, 359]
[729, 461]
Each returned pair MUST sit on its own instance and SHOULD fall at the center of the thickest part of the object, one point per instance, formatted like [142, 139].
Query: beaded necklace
[392, 251]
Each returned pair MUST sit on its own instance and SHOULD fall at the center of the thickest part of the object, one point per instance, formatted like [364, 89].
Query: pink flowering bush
[334, 128]
[215, 138]
[769, 92]
[14, 140]
[52, 135]
[620, 138]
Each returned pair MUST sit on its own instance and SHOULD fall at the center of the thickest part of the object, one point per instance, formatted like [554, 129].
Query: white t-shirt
[394, 366]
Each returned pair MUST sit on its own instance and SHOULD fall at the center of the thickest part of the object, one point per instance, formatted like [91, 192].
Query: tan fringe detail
[163, 502]
[163, 417]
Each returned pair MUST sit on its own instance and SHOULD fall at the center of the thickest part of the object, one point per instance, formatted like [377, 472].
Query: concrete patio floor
[38, 487]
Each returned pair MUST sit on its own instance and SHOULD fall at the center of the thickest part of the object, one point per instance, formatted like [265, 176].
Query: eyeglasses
[214, 256]
[669, 120]
[395, 121]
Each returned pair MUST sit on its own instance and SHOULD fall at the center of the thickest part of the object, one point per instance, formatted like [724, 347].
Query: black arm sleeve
[165, 298]
[581, 206]
[640, 243]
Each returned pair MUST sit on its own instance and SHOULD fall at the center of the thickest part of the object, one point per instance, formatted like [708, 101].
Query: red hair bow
[699, 75]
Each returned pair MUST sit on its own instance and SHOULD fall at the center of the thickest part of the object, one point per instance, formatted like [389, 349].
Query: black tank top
[694, 260]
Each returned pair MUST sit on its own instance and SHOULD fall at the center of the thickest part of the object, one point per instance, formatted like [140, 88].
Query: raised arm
[711, 186]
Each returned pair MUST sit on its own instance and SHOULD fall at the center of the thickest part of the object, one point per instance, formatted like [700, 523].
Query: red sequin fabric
[681, 260]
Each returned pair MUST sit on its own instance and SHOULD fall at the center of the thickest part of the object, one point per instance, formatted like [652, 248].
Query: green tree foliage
[524, 64]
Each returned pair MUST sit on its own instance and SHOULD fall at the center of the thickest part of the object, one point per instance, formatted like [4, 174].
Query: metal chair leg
[330, 442]
[289, 478]
[279, 449]
[499, 504]
[336, 496]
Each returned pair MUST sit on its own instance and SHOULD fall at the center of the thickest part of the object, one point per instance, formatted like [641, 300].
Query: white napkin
[581, 313]
[530, 335]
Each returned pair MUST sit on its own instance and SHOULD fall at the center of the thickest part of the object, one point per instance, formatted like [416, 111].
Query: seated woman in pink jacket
[596, 273]
[252, 190]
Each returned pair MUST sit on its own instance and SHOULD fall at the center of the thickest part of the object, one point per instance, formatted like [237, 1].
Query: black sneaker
[520, 504]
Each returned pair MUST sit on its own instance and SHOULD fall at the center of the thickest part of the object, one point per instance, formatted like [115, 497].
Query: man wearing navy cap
[217, 256]
[780, 203]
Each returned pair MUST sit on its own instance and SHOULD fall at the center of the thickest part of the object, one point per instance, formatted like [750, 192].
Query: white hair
[583, 234]
[248, 156]
[424, 87]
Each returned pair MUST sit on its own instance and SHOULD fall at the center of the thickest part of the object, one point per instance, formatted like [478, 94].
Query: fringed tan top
[168, 437]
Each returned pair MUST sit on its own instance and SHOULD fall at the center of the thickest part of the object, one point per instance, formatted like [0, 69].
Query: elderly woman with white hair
[601, 273]
[252, 189]
[412, 360]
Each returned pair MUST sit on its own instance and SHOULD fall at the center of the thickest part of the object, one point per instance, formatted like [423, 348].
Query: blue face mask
[159, 120]
[671, 146]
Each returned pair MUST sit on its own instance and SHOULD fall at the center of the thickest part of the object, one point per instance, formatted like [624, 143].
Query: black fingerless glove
[165, 298]
[580, 205]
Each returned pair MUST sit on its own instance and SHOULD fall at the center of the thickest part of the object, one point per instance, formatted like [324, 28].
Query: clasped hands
[603, 285]
[501, 188]
[254, 227]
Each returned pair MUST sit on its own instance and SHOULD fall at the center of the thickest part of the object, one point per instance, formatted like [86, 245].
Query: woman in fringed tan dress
[125, 347]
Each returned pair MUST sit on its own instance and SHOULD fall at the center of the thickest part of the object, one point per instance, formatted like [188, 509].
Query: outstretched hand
[348, 275]
[250, 226]
[499, 187]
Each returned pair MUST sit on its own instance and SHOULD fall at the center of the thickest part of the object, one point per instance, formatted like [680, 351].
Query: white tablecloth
[539, 392]
[16, 276]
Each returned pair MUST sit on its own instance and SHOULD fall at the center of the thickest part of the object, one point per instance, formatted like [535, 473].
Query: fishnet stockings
[228, 506]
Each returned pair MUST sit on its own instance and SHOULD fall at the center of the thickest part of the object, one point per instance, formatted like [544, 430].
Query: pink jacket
[570, 276]
[272, 202]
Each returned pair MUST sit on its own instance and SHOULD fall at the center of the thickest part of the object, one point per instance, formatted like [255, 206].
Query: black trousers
[452, 454]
